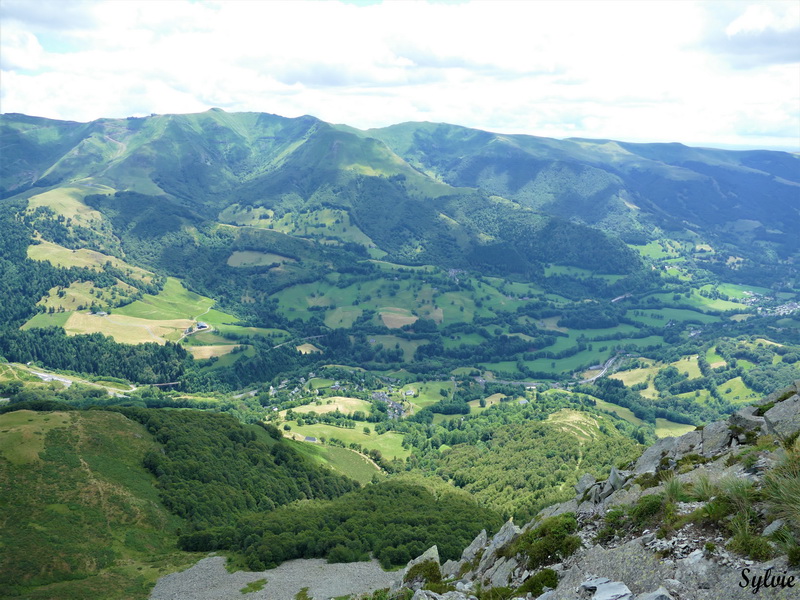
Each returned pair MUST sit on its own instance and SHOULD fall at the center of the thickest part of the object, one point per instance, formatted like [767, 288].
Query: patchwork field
[341, 403]
[172, 302]
[325, 224]
[81, 295]
[126, 329]
[60, 256]
[389, 444]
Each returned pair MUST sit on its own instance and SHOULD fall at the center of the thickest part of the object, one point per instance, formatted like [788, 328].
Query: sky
[717, 73]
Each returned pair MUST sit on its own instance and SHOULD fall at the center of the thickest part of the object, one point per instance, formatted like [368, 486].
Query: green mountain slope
[737, 197]
[80, 513]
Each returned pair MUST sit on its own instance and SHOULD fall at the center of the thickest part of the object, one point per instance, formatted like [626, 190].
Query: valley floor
[208, 580]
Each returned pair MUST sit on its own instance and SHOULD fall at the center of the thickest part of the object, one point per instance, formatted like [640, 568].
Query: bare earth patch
[307, 349]
[201, 352]
[395, 318]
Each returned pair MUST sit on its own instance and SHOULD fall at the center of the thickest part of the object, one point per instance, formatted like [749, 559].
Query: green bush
[428, 571]
[535, 585]
[549, 542]
[614, 522]
[497, 593]
[644, 513]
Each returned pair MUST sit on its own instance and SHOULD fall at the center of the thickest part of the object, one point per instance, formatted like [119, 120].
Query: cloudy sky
[713, 73]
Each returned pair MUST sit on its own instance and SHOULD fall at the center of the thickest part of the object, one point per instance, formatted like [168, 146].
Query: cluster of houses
[395, 410]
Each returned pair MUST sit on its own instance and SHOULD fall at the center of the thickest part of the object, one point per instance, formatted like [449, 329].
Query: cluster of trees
[394, 521]
[510, 458]
[213, 470]
[94, 353]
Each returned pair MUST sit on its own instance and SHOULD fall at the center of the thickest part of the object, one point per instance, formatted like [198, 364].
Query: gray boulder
[660, 594]
[584, 483]
[502, 538]
[613, 590]
[773, 527]
[716, 438]
[603, 588]
[688, 443]
[507, 533]
[556, 509]
[747, 420]
[784, 417]
[616, 479]
[500, 574]
[471, 551]
[650, 460]
[450, 569]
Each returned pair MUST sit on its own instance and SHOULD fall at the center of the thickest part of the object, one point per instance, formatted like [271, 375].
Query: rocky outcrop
[690, 563]
[784, 418]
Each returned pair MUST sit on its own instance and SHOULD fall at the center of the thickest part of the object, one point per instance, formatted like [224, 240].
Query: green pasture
[23, 434]
[409, 347]
[60, 256]
[667, 428]
[698, 302]
[660, 317]
[172, 302]
[657, 250]
[318, 383]
[429, 393]
[642, 375]
[701, 396]
[736, 391]
[468, 339]
[323, 223]
[714, 359]
[739, 292]
[422, 299]
[689, 365]
[68, 201]
[475, 407]
[651, 340]
[342, 316]
[622, 412]
[58, 319]
[389, 444]
[80, 295]
[345, 461]
[229, 359]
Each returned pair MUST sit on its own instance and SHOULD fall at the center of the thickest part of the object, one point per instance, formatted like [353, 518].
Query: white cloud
[660, 71]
